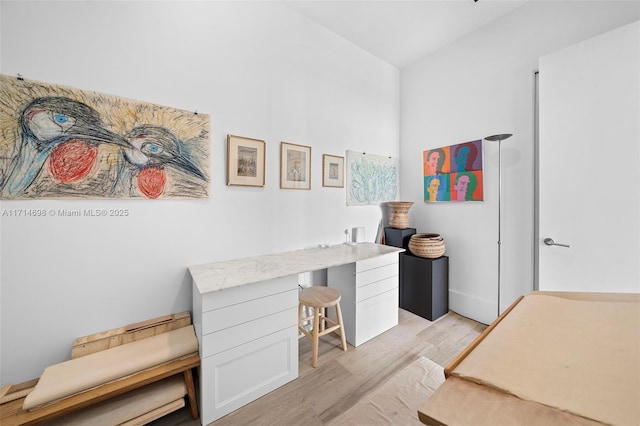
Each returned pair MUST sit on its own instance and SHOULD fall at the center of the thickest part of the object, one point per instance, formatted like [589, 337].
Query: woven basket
[427, 245]
[399, 214]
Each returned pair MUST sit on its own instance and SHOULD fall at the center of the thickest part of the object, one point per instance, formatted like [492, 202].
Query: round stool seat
[319, 296]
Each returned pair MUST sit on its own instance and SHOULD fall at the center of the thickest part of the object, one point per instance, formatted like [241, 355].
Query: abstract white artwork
[371, 179]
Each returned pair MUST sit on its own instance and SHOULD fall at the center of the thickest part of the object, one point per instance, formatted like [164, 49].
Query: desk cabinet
[424, 285]
[248, 343]
[369, 291]
[245, 313]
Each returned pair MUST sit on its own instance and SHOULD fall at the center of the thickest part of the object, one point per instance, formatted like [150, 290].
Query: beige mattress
[79, 374]
[582, 357]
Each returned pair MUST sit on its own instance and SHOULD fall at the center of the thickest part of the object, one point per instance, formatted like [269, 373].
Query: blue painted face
[461, 159]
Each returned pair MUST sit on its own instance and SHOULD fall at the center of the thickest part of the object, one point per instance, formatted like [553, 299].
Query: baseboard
[473, 307]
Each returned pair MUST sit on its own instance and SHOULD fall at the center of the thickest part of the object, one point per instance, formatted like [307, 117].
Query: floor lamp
[499, 138]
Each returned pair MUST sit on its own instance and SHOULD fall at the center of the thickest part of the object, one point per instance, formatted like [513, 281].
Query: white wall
[260, 70]
[479, 86]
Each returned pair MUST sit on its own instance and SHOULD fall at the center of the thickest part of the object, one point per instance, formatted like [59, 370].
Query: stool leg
[342, 336]
[316, 319]
[300, 315]
[323, 314]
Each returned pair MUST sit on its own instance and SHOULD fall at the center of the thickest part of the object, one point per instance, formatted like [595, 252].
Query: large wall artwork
[371, 179]
[60, 142]
[453, 173]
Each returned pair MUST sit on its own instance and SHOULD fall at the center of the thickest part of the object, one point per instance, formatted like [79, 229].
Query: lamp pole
[499, 139]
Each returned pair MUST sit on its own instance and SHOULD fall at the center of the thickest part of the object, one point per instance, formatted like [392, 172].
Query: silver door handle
[550, 242]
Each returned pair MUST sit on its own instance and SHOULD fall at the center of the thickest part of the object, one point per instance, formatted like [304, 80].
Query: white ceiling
[401, 32]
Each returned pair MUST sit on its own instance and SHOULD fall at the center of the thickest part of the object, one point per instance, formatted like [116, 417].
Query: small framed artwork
[332, 171]
[295, 166]
[245, 161]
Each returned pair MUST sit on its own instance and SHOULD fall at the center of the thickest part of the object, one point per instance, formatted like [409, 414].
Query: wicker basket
[427, 245]
[399, 214]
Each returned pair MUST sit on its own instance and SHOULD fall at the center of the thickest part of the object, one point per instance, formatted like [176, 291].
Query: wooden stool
[319, 298]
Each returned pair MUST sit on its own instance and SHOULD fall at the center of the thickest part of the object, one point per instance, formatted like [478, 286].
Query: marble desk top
[218, 276]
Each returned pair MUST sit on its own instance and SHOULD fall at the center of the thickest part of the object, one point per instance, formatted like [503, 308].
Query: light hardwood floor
[342, 378]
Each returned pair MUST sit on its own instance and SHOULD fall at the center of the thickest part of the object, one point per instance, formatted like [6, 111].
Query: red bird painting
[60, 142]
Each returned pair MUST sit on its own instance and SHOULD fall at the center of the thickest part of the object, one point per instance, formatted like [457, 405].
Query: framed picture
[453, 172]
[332, 171]
[295, 166]
[245, 161]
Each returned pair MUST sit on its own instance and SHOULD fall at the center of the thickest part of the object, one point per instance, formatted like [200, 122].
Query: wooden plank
[155, 414]
[13, 392]
[457, 360]
[4, 390]
[8, 411]
[15, 395]
[594, 297]
[13, 414]
[149, 323]
[133, 327]
[130, 333]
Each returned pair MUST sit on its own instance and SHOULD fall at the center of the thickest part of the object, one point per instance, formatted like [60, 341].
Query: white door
[589, 165]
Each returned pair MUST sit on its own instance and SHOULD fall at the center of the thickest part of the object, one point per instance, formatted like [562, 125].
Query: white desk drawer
[375, 316]
[376, 262]
[380, 273]
[228, 338]
[233, 296]
[369, 297]
[370, 290]
[233, 315]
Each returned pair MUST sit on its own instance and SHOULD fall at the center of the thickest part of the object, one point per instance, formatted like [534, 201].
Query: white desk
[245, 313]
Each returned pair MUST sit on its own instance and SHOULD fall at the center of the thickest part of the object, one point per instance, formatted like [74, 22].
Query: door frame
[536, 180]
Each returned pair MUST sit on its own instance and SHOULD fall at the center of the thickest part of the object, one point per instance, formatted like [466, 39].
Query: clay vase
[427, 245]
[399, 214]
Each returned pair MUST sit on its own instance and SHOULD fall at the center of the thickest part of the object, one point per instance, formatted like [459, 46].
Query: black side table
[398, 237]
[424, 285]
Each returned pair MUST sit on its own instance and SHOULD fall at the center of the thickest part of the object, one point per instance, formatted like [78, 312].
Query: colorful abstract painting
[60, 142]
[371, 179]
[453, 173]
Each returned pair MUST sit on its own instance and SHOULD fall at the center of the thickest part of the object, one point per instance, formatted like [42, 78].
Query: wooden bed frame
[12, 396]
